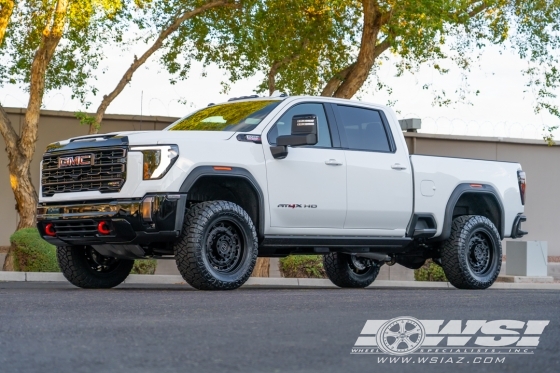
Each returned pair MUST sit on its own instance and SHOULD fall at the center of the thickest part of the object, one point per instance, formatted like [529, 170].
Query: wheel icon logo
[401, 336]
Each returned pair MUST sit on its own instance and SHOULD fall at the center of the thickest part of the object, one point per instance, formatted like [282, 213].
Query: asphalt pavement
[55, 327]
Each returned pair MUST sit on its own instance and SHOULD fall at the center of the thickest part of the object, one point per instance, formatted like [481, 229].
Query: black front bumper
[132, 223]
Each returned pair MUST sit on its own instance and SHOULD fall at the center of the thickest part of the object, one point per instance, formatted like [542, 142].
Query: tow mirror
[304, 132]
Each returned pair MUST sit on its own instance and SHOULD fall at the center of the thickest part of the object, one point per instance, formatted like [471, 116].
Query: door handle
[397, 166]
[333, 162]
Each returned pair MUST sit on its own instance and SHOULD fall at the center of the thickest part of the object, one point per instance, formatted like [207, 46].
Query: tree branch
[336, 80]
[10, 136]
[278, 64]
[49, 41]
[127, 77]
[479, 9]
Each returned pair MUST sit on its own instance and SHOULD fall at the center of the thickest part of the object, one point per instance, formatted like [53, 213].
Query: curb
[271, 282]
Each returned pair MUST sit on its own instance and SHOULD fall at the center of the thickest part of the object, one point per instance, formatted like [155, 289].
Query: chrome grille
[106, 175]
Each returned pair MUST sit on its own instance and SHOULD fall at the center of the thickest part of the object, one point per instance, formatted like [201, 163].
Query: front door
[307, 189]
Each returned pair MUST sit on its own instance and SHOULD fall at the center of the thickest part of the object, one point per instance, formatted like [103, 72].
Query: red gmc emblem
[77, 160]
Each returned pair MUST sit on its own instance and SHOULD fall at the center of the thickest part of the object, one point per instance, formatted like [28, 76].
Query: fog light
[147, 209]
[49, 230]
[103, 227]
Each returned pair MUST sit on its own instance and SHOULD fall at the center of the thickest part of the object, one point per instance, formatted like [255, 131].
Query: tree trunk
[262, 268]
[9, 263]
[349, 80]
[358, 74]
[20, 148]
[24, 191]
[127, 77]
[6, 10]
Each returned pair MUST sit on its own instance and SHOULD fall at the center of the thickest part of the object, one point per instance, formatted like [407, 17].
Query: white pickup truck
[273, 177]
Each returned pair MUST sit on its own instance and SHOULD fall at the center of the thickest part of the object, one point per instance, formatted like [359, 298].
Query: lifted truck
[273, 177]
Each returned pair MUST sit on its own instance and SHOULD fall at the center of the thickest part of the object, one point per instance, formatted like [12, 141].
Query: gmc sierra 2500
[272, 177]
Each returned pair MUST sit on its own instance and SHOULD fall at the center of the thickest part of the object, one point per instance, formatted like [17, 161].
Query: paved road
[58, 328]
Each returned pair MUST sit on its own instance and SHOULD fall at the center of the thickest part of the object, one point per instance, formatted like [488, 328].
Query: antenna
[141, 103]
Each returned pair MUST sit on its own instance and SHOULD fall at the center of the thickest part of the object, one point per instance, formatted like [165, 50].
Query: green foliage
[302, 266]
[31, 253]
[299, 41]
[430, 271]
[304, 44]
[88, 26]
[144, 267]
[86, 119]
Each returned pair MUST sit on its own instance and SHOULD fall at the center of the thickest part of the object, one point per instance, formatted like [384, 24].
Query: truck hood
[151, 137]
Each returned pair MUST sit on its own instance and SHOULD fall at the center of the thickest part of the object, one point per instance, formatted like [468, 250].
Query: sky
[503, 108]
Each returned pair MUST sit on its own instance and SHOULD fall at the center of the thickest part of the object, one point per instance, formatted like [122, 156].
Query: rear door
[379, 178]
[307, 189]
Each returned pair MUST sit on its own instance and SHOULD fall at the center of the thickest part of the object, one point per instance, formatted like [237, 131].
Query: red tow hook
[49, 230]
[103, 227]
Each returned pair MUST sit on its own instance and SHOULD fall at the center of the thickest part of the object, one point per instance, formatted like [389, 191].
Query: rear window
[236, 116]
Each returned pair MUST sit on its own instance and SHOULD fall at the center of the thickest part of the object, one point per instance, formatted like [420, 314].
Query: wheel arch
[235, 185]
[474, 199]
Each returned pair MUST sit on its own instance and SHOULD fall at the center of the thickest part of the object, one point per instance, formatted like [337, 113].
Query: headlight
[158, 159]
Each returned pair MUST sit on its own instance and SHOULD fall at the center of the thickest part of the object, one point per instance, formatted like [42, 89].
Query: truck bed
[435, 179]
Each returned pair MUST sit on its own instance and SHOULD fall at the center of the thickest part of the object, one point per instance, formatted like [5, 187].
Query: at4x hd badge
[296, 206]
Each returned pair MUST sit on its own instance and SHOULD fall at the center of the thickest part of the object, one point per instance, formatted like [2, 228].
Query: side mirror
[304, 132]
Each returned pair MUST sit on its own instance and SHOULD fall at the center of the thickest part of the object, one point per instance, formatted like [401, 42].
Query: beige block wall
[540, 161]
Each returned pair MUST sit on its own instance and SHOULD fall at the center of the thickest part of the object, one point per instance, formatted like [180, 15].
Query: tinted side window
[364, 129]
[284, 124]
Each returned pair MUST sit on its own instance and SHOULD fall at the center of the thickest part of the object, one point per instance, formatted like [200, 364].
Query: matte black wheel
[218, 247]
[350, 271]
[472, 256]
[86, 268]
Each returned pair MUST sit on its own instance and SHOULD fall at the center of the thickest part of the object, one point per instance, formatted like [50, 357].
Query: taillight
[522, 180]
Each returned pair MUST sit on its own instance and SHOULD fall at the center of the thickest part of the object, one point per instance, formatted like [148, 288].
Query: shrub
[144, 267]
[30, 253]
[303, 266]
[430, 271]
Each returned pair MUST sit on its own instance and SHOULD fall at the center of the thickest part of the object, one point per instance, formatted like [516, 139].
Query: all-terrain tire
[471, 257]
[218, 247]
[81, 266]
[341, 271]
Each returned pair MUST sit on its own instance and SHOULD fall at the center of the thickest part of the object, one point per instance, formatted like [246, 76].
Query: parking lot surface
[55, 327]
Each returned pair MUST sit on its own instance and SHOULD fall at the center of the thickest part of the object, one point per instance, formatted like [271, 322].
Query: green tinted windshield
[236, 116]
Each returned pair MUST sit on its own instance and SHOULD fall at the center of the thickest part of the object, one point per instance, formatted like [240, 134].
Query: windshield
[237, 116]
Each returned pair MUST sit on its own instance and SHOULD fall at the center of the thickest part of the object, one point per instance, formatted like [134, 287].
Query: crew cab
[271, 177]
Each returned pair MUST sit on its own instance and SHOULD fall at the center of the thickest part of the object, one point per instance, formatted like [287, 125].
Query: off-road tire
[458, 253]
[74, 264]
[195, 255]
[338, 267]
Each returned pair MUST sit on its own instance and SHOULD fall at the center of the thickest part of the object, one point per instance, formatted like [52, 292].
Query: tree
[167, 17]
[278, 41]
[48, 46]
[293, 43]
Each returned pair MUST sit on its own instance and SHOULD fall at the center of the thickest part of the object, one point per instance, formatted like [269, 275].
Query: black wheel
[218, 247]
[472, 256]
[86, 268]
[350, 271]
